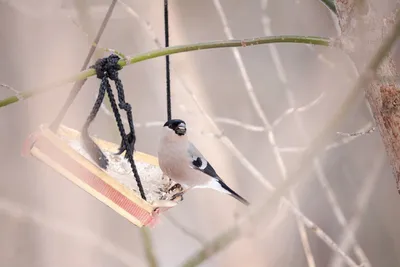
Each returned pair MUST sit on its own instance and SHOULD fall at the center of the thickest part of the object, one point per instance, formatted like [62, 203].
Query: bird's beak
[181, 129]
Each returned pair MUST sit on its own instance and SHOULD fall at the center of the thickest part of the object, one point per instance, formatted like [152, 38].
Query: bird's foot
[178, 197]
[177, 192]
[175, 188]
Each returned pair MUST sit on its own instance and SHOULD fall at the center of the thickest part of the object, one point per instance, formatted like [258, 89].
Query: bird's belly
[176, 168]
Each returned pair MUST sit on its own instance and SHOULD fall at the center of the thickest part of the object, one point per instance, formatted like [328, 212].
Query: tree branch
[148, 247]
[78, 84]
[169, 51]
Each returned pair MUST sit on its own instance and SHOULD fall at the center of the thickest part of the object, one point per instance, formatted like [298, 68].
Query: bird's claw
[177, 192]
[178, 197]
[175, 188]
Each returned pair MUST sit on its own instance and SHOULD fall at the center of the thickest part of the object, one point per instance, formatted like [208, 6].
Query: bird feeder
[115, 186]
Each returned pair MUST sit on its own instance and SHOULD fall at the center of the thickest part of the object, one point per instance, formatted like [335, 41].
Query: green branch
[169, 51]
[148, 247]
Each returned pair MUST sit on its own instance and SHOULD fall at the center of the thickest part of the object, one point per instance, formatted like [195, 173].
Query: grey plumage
[181, 161]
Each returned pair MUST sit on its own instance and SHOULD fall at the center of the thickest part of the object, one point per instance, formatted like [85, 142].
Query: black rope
[167, 63]
[107, 68]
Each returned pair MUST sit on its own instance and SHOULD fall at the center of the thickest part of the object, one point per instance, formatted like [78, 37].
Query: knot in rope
[107, 67]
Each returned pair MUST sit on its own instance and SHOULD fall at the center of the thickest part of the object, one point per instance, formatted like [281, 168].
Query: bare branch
[148, 247]
[348, 139]
[356, 134]
[293, 110]
[346, 240]
[324, 237]
[78, 84]
[249, 127]
[144, 23]
[185, 230]
[359, 252]
[22, 213]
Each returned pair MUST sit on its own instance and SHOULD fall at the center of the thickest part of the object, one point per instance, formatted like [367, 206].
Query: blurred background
[47, 221]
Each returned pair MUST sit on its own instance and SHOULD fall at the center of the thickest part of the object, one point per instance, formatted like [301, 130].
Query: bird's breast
[173, 159]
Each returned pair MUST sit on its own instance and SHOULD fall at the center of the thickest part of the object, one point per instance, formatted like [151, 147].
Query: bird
[183, 163]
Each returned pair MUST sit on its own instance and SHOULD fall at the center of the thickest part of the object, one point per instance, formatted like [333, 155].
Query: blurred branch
[321, 234]
[337, 211]
[348, 139]
[188, 232]
[148, 247]
[83, 75]
[79, 83]
[330, 4]
[67, 229]
[346, 240]
[292, 109]
[356, 134]
[144, 23]
[17, 93]
[341, 142]
[246, 126]
[301, 173]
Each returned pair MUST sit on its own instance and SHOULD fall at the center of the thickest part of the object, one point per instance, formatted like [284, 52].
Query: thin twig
[16, 92]
[293, 110]
[148, 247]
[356, 134]
[332, 199]
[348, 139]
[301, 173]
[20, 212]
[292, 149]
[144, 23]
[169, 51]
[321, 234]
[79, 83]
[246, 126]
[334, 145]
[185, 230]
[346, 240]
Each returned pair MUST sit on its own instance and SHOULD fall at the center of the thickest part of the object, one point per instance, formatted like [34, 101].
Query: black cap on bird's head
[178, 126]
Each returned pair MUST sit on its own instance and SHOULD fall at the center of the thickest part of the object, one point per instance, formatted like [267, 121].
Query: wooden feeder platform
[116, 187]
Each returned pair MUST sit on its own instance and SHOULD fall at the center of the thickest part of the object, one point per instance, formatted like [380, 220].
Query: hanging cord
[107, 68]
[167, 63]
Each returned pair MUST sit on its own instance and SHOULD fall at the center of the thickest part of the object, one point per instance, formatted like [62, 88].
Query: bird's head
[177, 126]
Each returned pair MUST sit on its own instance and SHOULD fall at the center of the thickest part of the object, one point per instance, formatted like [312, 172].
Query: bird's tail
[233, 193]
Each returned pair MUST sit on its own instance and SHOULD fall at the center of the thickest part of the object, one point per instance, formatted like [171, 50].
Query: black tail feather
[233, 193]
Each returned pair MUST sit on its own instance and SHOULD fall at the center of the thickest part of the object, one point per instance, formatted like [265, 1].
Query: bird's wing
[198, 162]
